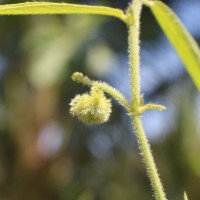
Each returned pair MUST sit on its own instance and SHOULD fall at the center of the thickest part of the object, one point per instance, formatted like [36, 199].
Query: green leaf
[180, 38]
[40, 8]
[185, 196]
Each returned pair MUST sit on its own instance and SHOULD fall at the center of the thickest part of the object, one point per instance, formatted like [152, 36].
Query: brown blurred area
[46, 154]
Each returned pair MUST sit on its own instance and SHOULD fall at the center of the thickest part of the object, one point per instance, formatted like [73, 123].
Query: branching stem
[80, 78]
[134, 13]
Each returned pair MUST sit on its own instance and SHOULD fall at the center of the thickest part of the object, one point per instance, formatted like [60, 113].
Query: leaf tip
[185, 197]
[148, 3]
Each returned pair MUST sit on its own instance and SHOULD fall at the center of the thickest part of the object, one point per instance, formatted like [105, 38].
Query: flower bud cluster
[91, 108]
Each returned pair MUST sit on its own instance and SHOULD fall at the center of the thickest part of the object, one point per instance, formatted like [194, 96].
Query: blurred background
[45, 154]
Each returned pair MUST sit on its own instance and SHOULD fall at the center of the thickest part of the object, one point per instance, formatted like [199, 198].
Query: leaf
[185, 196]
[180, 38]
[40, 8]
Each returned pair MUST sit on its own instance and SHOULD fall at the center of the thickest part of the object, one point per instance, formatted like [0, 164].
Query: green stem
[80, 78]
[148, 158]
[114, 93]
[134, 13]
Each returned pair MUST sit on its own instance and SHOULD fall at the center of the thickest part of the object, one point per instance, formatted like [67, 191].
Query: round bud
[92, 108]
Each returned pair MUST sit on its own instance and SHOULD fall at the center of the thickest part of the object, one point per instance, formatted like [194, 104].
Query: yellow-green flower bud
[92, 108]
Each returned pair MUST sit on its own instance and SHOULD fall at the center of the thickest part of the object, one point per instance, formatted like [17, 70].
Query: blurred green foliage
[45, 154]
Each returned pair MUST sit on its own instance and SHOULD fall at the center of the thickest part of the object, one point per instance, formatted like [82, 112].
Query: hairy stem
[114, 93]
[148, 158]
[80, 78]
[134, 13]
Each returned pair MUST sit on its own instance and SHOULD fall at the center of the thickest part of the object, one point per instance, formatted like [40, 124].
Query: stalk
[148, 159]
[134, 13]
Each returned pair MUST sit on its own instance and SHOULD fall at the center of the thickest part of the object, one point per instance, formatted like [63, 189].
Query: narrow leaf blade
[39, 8]
[180, 38]
[185, 196]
